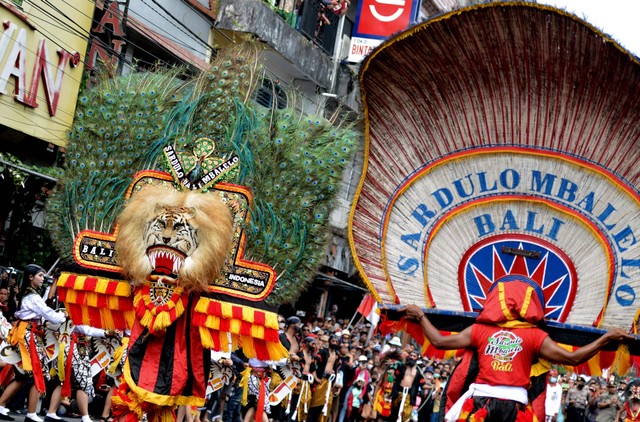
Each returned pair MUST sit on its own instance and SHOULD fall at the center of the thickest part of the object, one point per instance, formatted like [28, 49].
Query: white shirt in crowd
[554, 400]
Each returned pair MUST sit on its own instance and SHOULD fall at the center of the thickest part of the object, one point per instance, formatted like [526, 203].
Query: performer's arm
[36, 304]
[551, 351]
[439, 341]
[87, 330]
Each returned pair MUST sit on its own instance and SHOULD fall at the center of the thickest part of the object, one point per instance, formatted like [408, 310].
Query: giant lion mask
[183, 237]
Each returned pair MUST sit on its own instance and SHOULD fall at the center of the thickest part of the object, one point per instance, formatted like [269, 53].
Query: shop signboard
[377, 20]
[42, 49]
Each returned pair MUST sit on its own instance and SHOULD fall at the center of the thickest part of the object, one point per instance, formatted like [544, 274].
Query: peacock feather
[114, 125]
[298, 162]
[291, 162]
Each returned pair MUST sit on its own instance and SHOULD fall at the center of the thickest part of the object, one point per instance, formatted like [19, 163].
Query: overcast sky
[620, 19]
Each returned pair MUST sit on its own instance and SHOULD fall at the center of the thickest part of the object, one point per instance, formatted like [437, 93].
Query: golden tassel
[205, 338]
[145, 321]
[117, 356]
[622, 360]
[162, 321]
[61, 374]
[179, 307]
[202, 305]
[244, 384]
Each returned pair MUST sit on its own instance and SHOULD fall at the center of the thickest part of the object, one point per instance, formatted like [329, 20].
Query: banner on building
[42, 50]
[377, 20]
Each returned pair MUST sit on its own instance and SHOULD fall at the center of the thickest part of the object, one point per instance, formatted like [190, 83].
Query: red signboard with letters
[383, 18]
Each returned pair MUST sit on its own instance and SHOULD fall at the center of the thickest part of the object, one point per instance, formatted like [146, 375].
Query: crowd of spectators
[349, 372]
[572, 397]
[350, 367]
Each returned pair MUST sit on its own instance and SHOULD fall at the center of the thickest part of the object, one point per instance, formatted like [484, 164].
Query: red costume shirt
[505, 354]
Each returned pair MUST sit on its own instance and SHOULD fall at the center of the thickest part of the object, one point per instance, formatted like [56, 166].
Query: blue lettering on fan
[537, 183]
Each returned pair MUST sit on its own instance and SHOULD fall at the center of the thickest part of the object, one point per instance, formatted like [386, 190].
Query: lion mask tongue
[165, 260]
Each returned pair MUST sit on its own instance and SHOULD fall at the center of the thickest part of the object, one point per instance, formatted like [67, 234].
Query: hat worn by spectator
[377, 348]
[293, 320]
[362, 358]
[395, 341]
[612, 384]
[345, 333]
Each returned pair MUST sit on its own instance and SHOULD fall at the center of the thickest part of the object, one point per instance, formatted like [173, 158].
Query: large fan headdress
[502, 140]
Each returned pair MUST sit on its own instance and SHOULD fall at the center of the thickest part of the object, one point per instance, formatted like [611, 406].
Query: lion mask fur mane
[206, 213]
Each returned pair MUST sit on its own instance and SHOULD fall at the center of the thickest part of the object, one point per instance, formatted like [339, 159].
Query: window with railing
[271, 94]
[315, 19]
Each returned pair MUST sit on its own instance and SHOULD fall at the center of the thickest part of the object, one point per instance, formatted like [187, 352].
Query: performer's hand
[618, 334]
[412, 311]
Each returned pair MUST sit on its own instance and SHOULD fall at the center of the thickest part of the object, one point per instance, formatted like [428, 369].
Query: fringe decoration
[388, 326]
[622, 360]
[244, 384]
[96, 301]
[117, 356]
[254, 330]
[479, 416]
[158, 318]
[126, 405]
[467, 408]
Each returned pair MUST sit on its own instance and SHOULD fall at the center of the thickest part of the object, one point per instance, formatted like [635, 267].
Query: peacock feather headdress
[292, 163]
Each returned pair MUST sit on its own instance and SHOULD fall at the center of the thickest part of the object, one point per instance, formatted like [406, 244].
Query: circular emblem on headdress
[497, 257]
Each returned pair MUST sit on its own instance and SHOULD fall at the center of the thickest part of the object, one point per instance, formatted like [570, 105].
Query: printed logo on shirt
[503, 346]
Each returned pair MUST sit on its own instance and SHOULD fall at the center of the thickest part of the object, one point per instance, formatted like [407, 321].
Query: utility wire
[89, 36]
[203, 15]
[63, 132]
[84, 35]
[121, 56]
[205, 43]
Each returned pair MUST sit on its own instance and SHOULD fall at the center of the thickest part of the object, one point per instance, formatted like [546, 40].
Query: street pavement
[21, 417]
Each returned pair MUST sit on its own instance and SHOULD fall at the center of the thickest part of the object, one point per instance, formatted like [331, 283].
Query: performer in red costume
[507, 341]
[630, 412]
